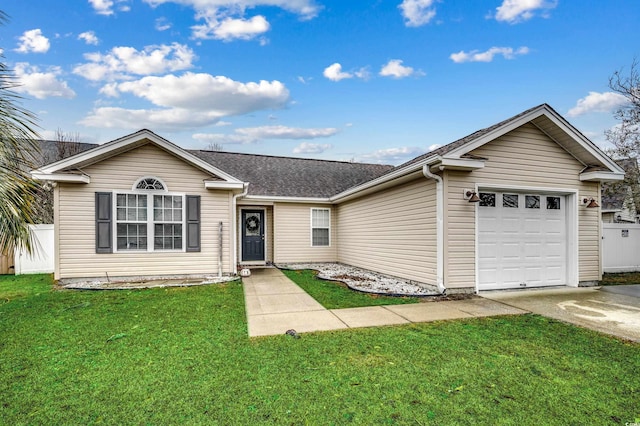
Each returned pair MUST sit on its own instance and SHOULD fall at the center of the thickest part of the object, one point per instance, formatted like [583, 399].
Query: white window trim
[319, 227]
[150, 222]
[134, 187]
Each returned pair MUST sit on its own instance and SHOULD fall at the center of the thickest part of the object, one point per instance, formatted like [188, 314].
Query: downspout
[439, 227]
[234, 231]
[220, 246]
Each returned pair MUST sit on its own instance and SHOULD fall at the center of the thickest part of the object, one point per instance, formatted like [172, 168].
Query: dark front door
[252, 235]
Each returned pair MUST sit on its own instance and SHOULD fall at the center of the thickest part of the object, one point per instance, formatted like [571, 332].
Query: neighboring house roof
[615, 195]
[57, 150]
[292, 177]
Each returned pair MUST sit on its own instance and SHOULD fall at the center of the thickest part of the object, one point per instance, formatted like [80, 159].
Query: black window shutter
[104, 230]
[193, 223]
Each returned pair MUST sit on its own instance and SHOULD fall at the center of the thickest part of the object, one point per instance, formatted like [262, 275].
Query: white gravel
[365, 280]
[135, 283]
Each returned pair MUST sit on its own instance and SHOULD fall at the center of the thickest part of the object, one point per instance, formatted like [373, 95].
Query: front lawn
[336, 295]
[182, 356]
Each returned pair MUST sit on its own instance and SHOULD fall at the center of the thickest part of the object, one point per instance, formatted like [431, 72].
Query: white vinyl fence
[620, 247]
[42, 260]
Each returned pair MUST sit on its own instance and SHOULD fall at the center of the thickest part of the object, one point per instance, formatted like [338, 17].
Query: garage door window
[510, 201]
[532, 201]
[487, 199]
[553, 203]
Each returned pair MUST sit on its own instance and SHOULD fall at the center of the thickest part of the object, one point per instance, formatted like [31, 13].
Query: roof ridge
[290, 157]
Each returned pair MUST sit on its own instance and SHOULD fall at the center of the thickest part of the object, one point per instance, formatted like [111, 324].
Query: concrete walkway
[275, 304]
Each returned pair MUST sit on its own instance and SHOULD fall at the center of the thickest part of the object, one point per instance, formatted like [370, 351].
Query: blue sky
[370, 81]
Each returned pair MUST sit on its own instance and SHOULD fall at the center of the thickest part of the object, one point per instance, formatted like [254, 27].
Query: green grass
[182, 356]
[336, 295]
[621, 278]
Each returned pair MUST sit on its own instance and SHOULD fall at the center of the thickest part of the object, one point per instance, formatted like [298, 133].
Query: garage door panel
[520, 246]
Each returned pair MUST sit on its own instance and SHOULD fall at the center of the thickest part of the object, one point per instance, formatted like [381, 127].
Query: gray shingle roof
[292, 177]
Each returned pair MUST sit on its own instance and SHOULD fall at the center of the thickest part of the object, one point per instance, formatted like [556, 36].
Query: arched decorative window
[150, 184]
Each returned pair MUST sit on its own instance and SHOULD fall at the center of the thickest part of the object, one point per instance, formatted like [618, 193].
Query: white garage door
[522, 240]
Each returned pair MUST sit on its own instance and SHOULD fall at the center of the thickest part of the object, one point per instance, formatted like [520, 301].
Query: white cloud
[33, 41]
[187, 101]
[89, 37]
[311, 148]
[105, 7]
[284, 132]
[41, 85]
[102, 7]
[248, 135]
[225, 19]
[434, 146]
[306, 9]
[598, 102]
[122, 62]
[417, 12]
[514, 11]
[229, 29]
[395, 69]
[487, 56]
[393, 155]
[163, 24]
[334, 73]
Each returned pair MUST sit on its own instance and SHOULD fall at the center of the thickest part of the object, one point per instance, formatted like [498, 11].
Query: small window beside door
[320, 227]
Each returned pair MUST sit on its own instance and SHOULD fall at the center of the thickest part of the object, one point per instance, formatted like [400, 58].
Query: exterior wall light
[471, 196]
[590, 202]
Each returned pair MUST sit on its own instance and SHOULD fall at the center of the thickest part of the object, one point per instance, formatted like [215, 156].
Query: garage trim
[571, 223]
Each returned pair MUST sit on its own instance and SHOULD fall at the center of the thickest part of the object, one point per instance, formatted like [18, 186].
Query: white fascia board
[221, 184]
[589, 146]
[558, 120]
[496, 133]
[601, 177]
[61, 177]
[280, 199]
[115, 145]
[458, 164]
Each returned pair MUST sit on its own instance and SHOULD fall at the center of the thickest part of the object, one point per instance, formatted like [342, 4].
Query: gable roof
[68, 169]
[298, 178]
[456, 155]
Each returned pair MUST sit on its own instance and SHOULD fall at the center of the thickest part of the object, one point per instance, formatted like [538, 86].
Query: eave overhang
[600, 176]
[224, 185]
[61, 177]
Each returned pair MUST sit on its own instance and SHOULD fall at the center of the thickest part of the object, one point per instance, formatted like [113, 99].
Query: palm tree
[18, 150]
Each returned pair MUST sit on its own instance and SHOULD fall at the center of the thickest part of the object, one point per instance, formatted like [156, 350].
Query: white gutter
[439, 227]
[234, 232]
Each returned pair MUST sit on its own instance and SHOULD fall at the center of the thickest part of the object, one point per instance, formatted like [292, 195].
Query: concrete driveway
[613, 310]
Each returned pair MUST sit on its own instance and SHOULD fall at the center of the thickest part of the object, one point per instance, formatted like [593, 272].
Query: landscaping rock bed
[130, 284]
[365, 280]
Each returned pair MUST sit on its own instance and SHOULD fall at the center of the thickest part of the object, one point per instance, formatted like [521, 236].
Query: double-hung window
[167, 222]
[131, 221]
[320, 227]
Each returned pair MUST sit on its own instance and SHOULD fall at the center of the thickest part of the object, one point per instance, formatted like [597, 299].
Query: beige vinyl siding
[392, 231]
[76, 218]
[292, 230]
[524, 157]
